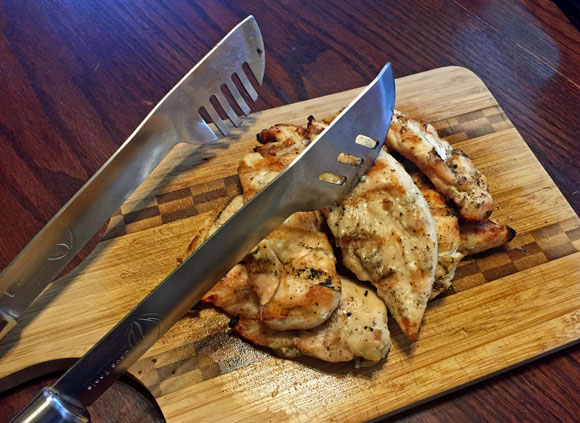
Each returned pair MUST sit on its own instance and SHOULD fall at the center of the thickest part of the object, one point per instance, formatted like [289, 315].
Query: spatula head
[334, 162]
[215, 74]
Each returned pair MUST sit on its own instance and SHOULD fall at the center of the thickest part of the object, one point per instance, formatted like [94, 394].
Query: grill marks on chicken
[457, 238]
[395, 230]
[449, 169]
[357, 328]
[387, 236]
[293, 273]
[293, 270]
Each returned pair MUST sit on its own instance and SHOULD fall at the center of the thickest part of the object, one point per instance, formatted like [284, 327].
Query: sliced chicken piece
[357, 328]
[477, 237]
[293, 270]
[281, 144]
[315, 127]
[447, 227]
[290, 268]
[449, 169]
[293, 273]
[387, 236]
[457, 238]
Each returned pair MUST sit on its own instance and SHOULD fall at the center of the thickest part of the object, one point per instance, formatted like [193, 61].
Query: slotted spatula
[316, 179]
[175, 119]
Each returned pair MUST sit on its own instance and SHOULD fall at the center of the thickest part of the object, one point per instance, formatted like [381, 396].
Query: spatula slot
[350, 159]
[233, 85]
[209, 115]
[204, 115]
[332, 178]
[218, 107]
[224, 108]
[235, 100]
[366, 141]
[242, 76]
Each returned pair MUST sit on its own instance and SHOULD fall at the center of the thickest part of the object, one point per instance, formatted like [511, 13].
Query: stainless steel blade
[175, 119]
[297, 188]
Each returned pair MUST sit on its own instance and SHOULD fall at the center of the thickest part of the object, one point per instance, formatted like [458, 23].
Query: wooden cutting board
[507, 306]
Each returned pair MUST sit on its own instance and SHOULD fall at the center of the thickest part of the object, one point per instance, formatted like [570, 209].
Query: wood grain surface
[77, 77]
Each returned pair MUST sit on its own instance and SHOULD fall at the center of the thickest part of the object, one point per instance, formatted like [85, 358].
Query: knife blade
[298, 188]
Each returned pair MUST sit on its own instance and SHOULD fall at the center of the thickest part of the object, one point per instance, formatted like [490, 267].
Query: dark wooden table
[77, 77]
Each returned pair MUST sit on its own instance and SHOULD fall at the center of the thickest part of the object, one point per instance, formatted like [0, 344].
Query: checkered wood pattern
[184, 203]
[219, 353]
[209, 357]
[524, 251]
[170, 206]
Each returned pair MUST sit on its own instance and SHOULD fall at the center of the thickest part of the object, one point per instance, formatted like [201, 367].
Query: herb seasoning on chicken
[449, 169]
[387, 236]
[356, 329]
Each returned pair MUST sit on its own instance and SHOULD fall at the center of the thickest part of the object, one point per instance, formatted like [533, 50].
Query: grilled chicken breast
[447, 227]
[293, 273]
[457, 238]
[293, 270]
[477, 237]
[449, 169]
[357, 328]
[387, 236]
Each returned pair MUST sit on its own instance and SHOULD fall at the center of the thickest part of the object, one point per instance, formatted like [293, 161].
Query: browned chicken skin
[449, 169]
[477, 237]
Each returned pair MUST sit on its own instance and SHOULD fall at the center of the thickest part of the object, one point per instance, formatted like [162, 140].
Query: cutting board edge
[475, 381]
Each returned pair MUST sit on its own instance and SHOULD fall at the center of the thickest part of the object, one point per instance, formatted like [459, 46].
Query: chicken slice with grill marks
[447, 227]
[387, 236]
[357, 328]
[293, 270]
[457, 238]
[449, 169]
